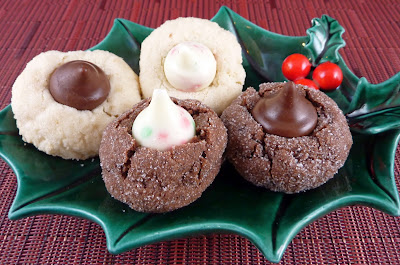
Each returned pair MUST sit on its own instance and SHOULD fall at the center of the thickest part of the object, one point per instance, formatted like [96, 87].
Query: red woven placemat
[357, 235]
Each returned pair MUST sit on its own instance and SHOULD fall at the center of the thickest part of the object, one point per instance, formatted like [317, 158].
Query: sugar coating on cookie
[150, 180]
[286, 164]
[58, 129]
[230, 74]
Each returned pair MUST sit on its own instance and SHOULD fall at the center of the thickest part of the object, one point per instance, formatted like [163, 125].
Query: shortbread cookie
[61, 130]
[201, 38]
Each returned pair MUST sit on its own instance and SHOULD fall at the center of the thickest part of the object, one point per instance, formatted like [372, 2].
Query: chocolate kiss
[287, 113]
[79, 84]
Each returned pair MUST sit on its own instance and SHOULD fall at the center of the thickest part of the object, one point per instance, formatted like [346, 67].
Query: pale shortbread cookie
[60, 130]
[229, 79]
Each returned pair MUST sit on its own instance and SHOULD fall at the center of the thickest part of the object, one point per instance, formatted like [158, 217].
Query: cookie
[229, 76]
[286, 164]
[58, 129]
[150, 180]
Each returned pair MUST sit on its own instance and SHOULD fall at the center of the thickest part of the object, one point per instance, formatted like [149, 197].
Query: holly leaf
[375, 108]
[263, 51]
[325, 40]
[129, 36]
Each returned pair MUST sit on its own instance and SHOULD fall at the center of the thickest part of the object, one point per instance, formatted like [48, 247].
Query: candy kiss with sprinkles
[163, 124]
[190, 66]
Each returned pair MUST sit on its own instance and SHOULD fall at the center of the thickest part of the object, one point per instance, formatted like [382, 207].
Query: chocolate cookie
[150, 180]
[286, 164]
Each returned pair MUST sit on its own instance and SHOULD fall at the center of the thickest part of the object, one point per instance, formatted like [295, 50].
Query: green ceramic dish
[50, 185]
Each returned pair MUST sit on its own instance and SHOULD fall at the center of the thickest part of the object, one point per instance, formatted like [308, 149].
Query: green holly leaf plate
[51, 185]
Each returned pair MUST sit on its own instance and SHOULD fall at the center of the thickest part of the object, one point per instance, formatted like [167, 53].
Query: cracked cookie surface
[61, 130]
[280, 163]
[150, 180]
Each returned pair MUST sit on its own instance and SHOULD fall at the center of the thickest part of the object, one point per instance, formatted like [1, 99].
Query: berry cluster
[327, 76]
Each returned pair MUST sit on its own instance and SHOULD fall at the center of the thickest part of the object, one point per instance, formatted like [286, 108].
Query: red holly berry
[328, 76]
[296, 66]
[306, 82]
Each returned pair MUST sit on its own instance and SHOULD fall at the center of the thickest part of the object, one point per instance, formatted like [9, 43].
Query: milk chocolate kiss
[287, 113]
[79, 84]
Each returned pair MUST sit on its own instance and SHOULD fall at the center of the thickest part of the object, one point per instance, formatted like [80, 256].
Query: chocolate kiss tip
[79, 84]
[287, 113]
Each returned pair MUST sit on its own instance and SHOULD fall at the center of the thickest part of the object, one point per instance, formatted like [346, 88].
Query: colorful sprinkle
[200, 47]
[163, 136]
[146, 132]
[173, 51]
[185, 122]
[195, 87]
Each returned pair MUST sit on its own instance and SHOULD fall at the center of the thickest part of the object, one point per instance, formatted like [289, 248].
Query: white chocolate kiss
[163, 124]
[190, 66]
